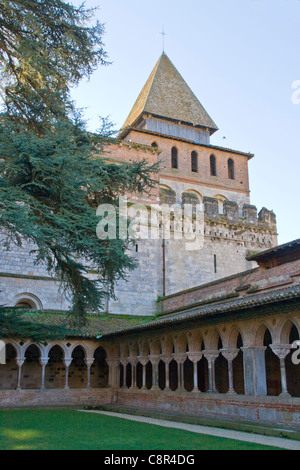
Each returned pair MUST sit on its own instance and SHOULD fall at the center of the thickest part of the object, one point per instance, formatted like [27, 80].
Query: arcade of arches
[247, 358]
[61, 365]
[215, 360]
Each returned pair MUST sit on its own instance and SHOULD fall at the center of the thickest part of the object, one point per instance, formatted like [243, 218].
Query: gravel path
[224, 433]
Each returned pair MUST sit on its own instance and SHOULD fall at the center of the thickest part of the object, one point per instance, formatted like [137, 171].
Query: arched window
[221, 199]
[154, 145]
[167, 196]
[213, 166]
[28, 301]
[24, 305]
[194, 162]
[174, 158]
[192, 199]
[231, 169]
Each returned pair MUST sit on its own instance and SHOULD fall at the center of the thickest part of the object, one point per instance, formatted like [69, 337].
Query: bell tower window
[194, 162]
[231, 169]
[213, 166]
[174, 158]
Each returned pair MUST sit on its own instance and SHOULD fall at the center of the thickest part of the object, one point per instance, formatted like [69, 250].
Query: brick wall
[279, 276]
[221, 181]
[271, 410]
[52, 398]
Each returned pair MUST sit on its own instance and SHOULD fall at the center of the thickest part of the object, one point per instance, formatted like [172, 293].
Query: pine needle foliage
[53, 172]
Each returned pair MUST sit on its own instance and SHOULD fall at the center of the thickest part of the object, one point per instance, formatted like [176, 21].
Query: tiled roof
[97, 325]
[112, 325]
[224, 307]
[167, 95]
[290, 246]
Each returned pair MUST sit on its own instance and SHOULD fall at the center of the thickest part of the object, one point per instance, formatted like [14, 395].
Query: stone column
[167, 360]
[144, 361]
[155, 361]
[124, 363]
[180, 358]
[255, 370]
[43, 361]
[282, 350]
[67, 363]
[20, 361]
[133, 361]
[211, 356]
[89, 361]
[230, 355]
[112, 367]
[195, 357]
[114, 373]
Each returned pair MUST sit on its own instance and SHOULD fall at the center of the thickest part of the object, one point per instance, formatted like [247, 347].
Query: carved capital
[281, 350]
[195, 356]
[124, 361]
[211, 354]
[89, 361]
[155, 359]
[44, 361]
[133, 360]
[180, 358]
[167, 358]
[229, 354]
[20, 361]
[68, 361]
[143, 360]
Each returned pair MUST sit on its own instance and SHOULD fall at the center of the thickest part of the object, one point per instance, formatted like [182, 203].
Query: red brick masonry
[270, 410]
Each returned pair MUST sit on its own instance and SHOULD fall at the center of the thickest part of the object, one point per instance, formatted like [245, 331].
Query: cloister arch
[221, 370]
[55, 373]
[99, 369]
[9, 371]
[272, 362]
[292, 370]
[167, 345]
[287, 332]
[77, 369]
[31, 370]
[180, 342]
[259, 334]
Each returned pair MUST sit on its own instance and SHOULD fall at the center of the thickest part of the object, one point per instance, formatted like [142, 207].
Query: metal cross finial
[163, 38]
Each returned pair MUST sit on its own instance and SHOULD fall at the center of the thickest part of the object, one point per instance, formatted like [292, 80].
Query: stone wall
[258, 279]
[52, 398]
[270, 410]
[231, 229]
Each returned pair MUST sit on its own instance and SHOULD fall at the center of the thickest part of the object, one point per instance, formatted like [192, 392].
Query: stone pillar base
[285, 395]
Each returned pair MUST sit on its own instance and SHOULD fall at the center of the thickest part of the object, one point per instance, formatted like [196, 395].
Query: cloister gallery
[209, 331]
[226, 354]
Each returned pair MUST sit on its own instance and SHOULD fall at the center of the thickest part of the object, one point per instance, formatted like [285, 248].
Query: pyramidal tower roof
[166, 95]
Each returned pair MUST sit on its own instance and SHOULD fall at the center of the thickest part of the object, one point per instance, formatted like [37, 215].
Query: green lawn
[65, 429]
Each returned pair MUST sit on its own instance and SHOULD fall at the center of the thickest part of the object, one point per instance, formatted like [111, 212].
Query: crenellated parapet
[248, 216]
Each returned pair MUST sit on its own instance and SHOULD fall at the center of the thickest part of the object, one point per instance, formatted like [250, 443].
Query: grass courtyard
[68, 429]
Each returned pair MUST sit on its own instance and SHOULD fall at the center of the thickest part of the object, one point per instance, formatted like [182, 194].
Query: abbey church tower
[169, 126]
[168, 121]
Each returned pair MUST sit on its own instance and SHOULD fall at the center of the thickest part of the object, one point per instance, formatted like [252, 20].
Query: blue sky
[240, 58]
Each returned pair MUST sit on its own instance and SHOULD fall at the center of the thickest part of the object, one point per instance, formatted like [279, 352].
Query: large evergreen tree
[45, 47]
[52, 172]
